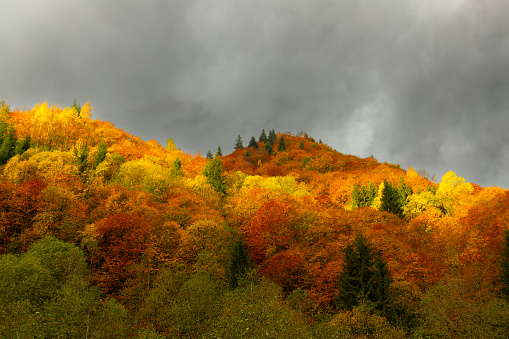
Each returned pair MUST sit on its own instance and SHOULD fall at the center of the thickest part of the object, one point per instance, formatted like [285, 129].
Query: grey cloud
[420, 83]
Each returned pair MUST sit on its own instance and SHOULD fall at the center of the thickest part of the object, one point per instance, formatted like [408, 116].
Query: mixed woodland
[104, 235]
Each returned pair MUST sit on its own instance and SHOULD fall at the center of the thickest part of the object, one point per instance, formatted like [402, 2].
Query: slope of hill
[166, 243]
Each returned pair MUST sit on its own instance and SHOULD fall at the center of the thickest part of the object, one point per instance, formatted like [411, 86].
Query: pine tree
[272, 137]
[219, 152]
[238, 143]
[365, 276]
[263, 137]
[301, 145]
[209, 155]
[5, 149]
[504, 267]
[176, 168]
[214, 172]
[239, 262]
[268, 148]
[77, 107]
[391, 201]
[253, 143]
[282, 145]
[101, 153]
[82, 156]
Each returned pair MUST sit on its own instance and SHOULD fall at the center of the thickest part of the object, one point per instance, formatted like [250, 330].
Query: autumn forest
[104, 235]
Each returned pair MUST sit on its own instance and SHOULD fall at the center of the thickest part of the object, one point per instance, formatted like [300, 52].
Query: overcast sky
[419, 83]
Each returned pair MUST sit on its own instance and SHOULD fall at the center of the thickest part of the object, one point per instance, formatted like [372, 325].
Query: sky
[410, 82]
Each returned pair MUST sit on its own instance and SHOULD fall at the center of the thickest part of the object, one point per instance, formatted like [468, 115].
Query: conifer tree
[268, 148]
[82, 156]
[238, 143]
[272, 137]
[253, 143]
[101, 153]
[219, 152]
[248, 154]
[365, 276]
[209, 155]
[504, 267]
[176, 168]
[214, 172]
[77, 107]
[239, 262]
[263, 137]
[301, 145]
[391, 201]
[282, 145]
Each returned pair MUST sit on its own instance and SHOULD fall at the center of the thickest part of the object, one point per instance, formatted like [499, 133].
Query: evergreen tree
[101, 153]
[248, 154]
[268, 148]
[82, 156]
[209, 155]
[253, 143]
[365, 276]
[272, 137]
[504, 270]
[214, 172]
[22, 145]
[301, 145]
[239, 262]
[5, 149]
[176, 168]
[77, 107]
[263, 137]
[219, 152]
[238, 143]
[391, 201]
[282, 145]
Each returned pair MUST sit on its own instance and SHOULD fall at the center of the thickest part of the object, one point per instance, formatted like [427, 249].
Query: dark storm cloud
[420, 83]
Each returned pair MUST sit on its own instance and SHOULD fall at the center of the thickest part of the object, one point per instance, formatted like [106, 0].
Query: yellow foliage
[144, 173]
[377, 202]
[454, 191]
[55, 165]
[418, 203]
[286, 184]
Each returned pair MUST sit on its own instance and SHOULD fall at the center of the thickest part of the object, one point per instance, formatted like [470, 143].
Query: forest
[104, 235]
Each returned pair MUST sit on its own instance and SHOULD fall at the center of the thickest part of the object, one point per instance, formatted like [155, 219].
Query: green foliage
[214, 173]
[263, 137]
[282, 145]
[253, 143]
[77, 107]
[272, 137]
[182, 304]
[219, 152]
[268, 148]
[82, 157]
[363, 196]
[394, 198]
[101, 153]
[365, 276]
[209, 155]
[256, 310]
[176, 168]
[504, 267]
[43, 293]
[239, 262]
[238, 143]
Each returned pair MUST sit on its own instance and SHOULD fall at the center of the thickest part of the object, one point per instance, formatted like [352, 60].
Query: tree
[82, 156]
[391, 199]
[282, 145]
[272, 137]
[253, 143]
[209, 155]
[214, 172]
[239, 262]
[219, 152]
[176, 168]
[268, 148]
[77, 107]
[504, 269]
[365, 276]
[263, 137]
[238, 143]
[101, 153]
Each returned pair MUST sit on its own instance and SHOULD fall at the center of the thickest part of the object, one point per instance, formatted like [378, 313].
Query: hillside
[105, 235]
